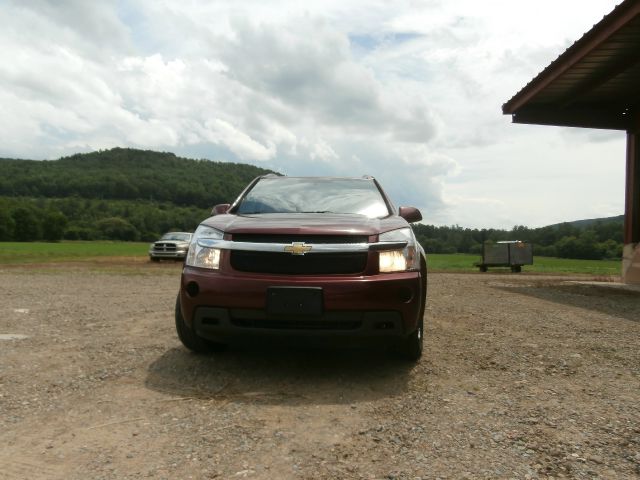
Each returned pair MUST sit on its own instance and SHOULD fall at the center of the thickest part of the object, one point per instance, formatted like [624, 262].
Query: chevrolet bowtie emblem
[297, 248]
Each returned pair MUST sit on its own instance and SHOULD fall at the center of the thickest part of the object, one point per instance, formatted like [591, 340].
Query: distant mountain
[117, 194]
[582, 224]
[127, 174]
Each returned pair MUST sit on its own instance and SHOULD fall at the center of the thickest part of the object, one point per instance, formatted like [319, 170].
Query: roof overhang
[595, 83]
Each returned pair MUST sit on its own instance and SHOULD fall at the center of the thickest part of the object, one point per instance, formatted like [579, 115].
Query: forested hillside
[122, 194]
[127, 174]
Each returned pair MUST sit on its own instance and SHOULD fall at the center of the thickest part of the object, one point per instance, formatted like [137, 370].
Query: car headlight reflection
[202, 252]
[402, 260]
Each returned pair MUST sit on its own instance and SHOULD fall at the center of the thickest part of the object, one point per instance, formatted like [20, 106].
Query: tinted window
[314, 195]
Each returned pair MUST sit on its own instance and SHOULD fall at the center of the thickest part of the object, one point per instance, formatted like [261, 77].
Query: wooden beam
[621, 65]
[572, 117]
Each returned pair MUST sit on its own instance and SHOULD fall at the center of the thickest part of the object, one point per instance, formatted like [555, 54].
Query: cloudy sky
[407, 91]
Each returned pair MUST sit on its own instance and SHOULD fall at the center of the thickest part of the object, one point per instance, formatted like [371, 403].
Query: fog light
[385, 326]
[192, 289]
[405, 295]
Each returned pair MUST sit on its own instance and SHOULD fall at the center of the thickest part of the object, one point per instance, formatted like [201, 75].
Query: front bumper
[159, 254]
[224, 306]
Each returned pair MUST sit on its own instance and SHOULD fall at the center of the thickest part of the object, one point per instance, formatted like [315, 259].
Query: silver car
[172, 245]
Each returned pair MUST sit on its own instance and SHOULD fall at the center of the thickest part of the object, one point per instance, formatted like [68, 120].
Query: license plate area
[294, 301]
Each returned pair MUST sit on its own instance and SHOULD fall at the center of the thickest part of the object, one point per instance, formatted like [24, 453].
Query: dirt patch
[523, 377]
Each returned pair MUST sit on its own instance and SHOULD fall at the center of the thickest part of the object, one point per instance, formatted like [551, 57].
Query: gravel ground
[524, 377]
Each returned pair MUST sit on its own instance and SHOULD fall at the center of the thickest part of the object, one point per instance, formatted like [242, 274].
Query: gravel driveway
[524, 377]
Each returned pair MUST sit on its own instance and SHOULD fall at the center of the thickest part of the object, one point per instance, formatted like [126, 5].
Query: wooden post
[631, 251]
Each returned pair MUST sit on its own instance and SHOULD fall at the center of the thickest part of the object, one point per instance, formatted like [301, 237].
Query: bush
[7, 226]
[27, 225]
[545, 251]
[584, 247]
[434, 245]
[53, 226]
[116, 228]
[80, 233]
[611, 249]
[476, 249]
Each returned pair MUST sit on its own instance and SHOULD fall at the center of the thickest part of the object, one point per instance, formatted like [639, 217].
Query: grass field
[38, 252]
[464, 262]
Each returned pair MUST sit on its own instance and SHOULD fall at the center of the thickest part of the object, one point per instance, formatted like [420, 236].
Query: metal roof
[595, 83]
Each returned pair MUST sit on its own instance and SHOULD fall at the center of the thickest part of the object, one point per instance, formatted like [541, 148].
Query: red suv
[305, 258]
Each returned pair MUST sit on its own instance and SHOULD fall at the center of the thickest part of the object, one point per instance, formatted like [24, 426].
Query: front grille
[309, 264]
[164, 247]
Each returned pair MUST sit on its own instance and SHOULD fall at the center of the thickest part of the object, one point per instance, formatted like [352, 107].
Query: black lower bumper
[229, 324]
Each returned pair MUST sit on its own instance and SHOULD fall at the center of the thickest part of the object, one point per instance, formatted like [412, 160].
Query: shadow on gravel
[607, 300]
[272, 375]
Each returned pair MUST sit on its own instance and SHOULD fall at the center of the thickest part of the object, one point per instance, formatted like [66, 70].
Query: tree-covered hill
[121, 194]
[127, 174]
[590, 222]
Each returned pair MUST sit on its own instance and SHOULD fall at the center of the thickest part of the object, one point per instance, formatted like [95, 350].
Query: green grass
[40, 252]
[451, 261]
[462, 262]
[566, 265]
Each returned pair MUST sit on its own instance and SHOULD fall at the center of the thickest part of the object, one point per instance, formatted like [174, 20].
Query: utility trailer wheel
[516, 268]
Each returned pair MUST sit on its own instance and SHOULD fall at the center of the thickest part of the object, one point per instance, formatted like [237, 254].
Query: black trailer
[512, 253]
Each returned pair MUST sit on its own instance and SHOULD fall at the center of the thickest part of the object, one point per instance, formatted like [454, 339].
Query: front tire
[412, 346]
[190, 338]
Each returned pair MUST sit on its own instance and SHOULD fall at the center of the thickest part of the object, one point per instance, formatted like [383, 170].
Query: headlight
[202, 252]
[402, 260]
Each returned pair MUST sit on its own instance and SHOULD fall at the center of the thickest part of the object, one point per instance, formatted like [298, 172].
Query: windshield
[314, 195]
[183, 237]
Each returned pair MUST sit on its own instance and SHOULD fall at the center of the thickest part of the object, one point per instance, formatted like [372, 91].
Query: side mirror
[220, 209]
[410, 214]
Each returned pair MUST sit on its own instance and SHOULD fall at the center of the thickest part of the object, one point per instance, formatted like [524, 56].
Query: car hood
[176, 242]
[300, 223]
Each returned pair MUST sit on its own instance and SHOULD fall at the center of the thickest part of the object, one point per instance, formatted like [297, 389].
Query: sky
[407, 91]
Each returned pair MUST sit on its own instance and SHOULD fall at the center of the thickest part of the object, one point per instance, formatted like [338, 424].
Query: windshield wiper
[317, 211]
[304, 211]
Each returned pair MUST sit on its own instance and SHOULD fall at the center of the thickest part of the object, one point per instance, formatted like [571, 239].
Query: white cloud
[322, 151]
[409, 92]
[241, 144]
[307, 67]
